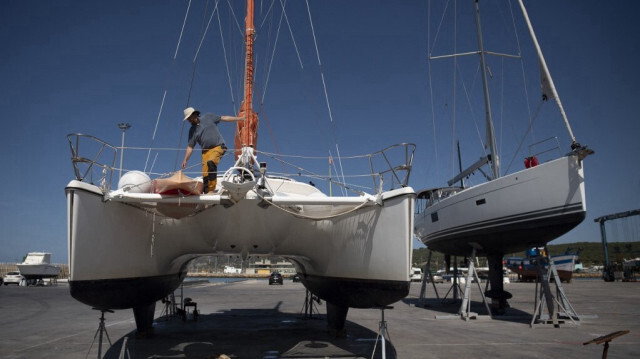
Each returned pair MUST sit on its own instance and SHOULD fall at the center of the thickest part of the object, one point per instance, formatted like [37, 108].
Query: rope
[321, 218]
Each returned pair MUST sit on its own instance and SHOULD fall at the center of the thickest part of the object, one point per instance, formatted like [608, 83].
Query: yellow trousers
[210, 160]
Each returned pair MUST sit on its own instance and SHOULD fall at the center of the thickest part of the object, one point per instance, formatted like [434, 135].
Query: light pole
[124, 127]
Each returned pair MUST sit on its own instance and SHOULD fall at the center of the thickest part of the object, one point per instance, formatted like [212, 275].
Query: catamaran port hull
[512, 213]
[123, 256]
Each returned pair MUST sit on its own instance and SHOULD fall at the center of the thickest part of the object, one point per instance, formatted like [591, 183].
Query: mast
[247, 130]
[491, 138]
[547, 81]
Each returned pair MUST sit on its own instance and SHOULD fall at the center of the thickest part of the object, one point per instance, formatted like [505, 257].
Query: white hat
[188, 112]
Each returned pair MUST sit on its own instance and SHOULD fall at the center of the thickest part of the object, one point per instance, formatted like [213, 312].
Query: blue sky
[72, 66]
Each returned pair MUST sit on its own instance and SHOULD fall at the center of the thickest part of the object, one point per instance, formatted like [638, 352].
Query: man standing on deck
[204, 131]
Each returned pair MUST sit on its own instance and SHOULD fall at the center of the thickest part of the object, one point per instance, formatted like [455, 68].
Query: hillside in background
[591, 253]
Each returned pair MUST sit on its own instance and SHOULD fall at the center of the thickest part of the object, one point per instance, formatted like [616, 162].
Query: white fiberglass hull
[510, 214]
[123, 256]
[38, 271]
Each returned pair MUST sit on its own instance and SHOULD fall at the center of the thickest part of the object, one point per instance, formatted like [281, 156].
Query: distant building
[269, 265]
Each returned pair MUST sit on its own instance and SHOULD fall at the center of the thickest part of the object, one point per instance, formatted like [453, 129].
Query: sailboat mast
[247, 131]
[547, 81]
[491, 138]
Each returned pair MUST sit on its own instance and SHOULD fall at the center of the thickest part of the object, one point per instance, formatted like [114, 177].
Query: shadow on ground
[250, 333]
[449, 307]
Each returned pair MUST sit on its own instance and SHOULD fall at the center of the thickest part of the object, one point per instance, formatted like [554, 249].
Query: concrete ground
[251, 319]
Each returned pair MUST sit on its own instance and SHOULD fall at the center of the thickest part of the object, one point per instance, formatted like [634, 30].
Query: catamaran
[510, 213]
[130, 246]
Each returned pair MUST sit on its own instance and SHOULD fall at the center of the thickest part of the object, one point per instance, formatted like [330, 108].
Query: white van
[416, 274]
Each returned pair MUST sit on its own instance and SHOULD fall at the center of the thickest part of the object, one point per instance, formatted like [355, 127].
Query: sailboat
[130, 246]
[510, 213]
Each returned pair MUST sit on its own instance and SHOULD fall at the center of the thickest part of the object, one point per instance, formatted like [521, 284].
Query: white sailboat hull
[123, 256]
[509, 214]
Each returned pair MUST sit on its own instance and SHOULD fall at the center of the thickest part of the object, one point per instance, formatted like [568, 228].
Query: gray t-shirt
[206, 133]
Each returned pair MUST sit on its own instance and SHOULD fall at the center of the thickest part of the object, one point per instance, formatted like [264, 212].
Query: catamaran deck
[251, 319]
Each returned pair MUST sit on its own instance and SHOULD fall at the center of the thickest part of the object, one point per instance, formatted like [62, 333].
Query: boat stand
[564, 312]
[455, 284]
[102, 329]
[465, 309]
[383, 335]
[169, 309]
[309, 307]
[427, 275]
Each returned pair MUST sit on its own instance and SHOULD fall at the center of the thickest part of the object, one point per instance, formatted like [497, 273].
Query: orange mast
[247, 130]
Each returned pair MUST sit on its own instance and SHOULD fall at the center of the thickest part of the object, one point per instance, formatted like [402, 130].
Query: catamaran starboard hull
[512, 213]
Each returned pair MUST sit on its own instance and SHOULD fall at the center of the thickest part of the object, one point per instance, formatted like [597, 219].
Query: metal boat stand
[564, 312]
[309, 307]
[465, 308]
[101, 329]
[427, 275]
[383, 335]
[455, 284]
[169, 309]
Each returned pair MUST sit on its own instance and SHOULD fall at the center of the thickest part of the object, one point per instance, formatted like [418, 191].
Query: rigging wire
[193, 72]
[453, 109]
[173, 61]
[531, 122]
[433, 112]
[226, 63]
[295, 45]
[273, 53]
[524, 78]
[324, 86]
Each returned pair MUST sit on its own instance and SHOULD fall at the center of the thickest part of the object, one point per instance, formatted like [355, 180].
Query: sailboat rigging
[509, 213]
[129, 246]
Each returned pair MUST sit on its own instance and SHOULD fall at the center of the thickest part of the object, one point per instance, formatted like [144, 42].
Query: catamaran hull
[526, 209]
[121, 256]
